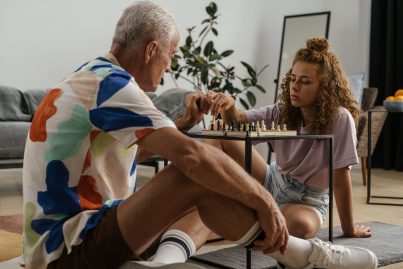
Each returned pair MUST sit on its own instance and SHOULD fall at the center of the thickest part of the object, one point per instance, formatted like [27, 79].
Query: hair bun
[319, 44]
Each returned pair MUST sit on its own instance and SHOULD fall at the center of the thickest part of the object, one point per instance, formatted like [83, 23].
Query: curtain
[386, 73]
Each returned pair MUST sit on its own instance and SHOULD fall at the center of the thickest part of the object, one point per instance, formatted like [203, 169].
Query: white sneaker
[326, 255]
[146, 264]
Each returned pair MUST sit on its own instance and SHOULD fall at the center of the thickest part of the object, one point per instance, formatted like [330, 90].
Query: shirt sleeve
[345, 140]
[128, 114]
[266, 113]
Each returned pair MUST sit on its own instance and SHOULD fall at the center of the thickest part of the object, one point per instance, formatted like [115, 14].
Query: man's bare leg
[302, 221]
[170, 196]
[236, 150]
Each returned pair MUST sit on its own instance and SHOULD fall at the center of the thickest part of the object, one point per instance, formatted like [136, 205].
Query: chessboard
[254, 129]
[249, 133]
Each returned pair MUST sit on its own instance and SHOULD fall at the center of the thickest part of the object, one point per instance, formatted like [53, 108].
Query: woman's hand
[361, 231]
[220, 102]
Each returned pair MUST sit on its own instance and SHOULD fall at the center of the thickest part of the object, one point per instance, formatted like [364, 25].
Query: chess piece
[247, 127]
[218, 125]
[212, 125]
[284, 127]
[257, 125]
[253, 127]
[278, 127]
[273, 126]
[263, 126]
[242, 127]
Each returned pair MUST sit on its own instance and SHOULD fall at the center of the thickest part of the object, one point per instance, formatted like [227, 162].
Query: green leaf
[260, 88]
[204, 75]
[251, 71]
[204, 29]
[189, 41]
[213, 7]
[244, 103]
[227, 53]
[246, 82]
[251, 98]
[215, 32]
[214, 57]
[208, 48]
[205, 21]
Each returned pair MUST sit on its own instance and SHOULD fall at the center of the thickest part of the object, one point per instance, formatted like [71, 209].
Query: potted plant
[201, 64]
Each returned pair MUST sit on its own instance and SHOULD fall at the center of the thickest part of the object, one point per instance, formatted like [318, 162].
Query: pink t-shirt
[307, 160]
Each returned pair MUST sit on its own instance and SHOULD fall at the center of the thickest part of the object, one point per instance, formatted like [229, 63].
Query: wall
[44, 40]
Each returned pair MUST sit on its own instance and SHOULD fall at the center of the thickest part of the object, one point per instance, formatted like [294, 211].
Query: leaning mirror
[296, 30]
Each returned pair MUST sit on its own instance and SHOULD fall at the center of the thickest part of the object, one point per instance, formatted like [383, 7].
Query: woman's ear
[150, 51]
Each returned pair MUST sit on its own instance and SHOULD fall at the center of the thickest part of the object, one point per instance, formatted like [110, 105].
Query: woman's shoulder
[341, 115]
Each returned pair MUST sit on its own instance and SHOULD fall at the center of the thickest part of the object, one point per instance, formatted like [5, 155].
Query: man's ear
[150, 51]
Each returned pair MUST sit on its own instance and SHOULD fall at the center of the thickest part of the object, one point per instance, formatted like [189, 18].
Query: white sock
[175, 246]
[297, 253]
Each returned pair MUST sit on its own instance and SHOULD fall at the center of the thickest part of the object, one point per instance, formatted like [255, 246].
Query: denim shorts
[287, 190]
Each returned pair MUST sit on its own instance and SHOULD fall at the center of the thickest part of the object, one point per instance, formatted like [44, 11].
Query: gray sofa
[17, 109]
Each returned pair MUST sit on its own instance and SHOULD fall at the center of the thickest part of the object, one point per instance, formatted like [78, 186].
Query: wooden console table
[369, 196]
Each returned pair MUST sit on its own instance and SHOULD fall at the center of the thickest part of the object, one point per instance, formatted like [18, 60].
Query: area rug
[10, 236]
[385, 243]
[11, 223]
[10, 245]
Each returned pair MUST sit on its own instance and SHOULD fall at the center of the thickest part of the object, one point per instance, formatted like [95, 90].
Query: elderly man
[80, 207]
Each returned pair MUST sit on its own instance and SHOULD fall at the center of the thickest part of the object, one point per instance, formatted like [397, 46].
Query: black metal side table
[248, 167]
[369, 196]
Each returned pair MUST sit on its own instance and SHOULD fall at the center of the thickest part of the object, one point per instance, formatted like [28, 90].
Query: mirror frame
[326, 34]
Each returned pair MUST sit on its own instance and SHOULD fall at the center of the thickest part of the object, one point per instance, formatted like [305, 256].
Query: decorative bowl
[393, 106]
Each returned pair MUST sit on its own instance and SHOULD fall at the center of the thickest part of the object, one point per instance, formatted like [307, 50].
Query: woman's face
[304, 85]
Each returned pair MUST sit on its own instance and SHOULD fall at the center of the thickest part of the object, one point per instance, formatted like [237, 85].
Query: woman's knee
[302, 227]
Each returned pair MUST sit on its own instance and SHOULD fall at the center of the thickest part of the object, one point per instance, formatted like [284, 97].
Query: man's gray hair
[145, 21]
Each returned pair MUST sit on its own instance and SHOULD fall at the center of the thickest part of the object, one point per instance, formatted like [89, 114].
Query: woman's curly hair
[334, 91]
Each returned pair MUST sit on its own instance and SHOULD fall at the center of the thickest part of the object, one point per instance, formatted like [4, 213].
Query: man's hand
[275, 228]
[220, 102]
[197, 104]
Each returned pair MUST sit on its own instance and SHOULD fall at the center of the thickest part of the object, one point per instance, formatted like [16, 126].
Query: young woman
[314, 99]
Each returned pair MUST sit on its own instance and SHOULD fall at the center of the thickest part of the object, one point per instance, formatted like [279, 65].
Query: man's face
[159, 63]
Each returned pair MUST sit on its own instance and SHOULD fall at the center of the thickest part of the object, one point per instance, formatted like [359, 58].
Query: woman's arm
[344, 201]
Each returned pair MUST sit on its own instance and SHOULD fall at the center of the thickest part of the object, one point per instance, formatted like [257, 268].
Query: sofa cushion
[13, 136]
[34, 97]
[13, 105]
[172, 102]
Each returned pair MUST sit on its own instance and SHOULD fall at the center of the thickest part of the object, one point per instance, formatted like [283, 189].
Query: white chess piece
[273, 126]
[263, 126]
[284, 127]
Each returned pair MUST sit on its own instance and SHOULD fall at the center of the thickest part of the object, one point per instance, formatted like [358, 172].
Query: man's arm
[216, 171]
[197, 104]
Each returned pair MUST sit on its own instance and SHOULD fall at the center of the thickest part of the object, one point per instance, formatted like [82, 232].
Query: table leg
[331, 190]
[369, 157]
[248, 168]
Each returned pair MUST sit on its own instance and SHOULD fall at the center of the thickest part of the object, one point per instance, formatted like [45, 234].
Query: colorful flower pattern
[80, 156]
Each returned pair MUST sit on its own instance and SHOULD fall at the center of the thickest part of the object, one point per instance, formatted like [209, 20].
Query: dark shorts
[104, 247]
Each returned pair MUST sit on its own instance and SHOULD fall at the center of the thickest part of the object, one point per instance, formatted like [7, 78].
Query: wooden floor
[384, 183]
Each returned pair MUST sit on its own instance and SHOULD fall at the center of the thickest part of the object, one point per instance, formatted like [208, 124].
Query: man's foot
[146, 264]
[326, 255]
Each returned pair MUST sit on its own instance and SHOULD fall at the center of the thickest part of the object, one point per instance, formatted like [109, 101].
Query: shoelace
[327, 253]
